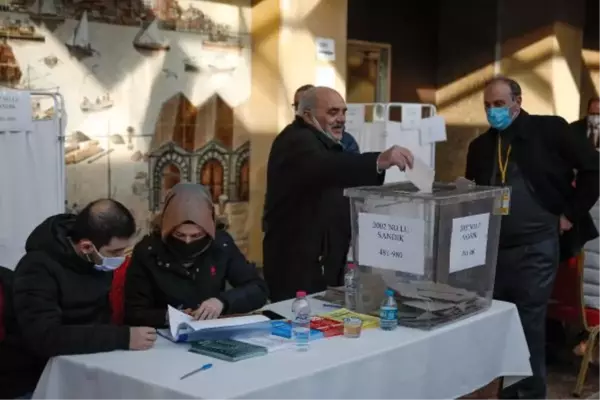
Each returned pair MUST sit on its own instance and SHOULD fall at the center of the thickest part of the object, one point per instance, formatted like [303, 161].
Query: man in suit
[307, 217]
[589, 126]
[535, 156]
[348, 142]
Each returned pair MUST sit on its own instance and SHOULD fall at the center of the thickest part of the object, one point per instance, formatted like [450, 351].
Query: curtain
[32, 184]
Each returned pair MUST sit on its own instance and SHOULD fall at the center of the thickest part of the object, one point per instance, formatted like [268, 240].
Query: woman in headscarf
[186, 262]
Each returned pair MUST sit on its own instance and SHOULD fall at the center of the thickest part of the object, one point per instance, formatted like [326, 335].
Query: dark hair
[101, 221]
[303, 88]
[592, 101]
[515, 88]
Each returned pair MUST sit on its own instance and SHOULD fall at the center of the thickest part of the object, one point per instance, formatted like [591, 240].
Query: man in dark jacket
[307, 217]
[535, 156]
[61, 286]
[19, 369]
[584, 228]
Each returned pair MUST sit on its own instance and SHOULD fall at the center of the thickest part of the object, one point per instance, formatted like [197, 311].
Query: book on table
[183, 328]
[227, 349]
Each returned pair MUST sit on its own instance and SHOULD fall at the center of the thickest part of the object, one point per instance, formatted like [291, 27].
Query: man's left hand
[209, 309]
[565, 224]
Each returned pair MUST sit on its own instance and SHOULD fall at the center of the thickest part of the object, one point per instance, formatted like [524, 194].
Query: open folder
[183, 328]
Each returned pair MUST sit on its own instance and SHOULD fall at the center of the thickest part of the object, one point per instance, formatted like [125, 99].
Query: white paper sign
[16, 113]
[391, 243]
[325, 76]
[433, 130]
[411, 116]
[325, 49]
[468, 243]
[355, 119]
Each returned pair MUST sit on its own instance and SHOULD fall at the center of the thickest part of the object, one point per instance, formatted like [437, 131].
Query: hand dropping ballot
[421, 176]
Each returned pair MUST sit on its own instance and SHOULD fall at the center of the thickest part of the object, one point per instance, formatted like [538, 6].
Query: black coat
[61, 301]
[156, 279]
[19, 369]
[547, 155]
[307, 217]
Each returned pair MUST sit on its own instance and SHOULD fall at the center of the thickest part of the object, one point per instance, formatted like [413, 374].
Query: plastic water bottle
[301, 322]
[388, 313]
[351, 287]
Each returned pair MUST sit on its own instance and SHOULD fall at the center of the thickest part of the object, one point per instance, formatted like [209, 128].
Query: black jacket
[307, 217]
[19, 369]
[156, 279]
[60, 300]
[547, 154]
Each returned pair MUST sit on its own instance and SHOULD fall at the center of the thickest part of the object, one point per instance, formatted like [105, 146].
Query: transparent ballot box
[437, 250]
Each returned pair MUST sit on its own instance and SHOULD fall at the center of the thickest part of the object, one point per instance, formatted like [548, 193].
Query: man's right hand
[395, 156]
[141, 338]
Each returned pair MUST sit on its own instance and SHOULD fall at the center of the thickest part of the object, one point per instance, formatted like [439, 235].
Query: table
[448, 362]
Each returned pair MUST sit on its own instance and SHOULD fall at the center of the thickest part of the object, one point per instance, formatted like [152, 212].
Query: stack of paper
[183, 328]
[424, 304]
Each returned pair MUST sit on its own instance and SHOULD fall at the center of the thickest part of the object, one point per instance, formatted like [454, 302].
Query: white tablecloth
[448, 362]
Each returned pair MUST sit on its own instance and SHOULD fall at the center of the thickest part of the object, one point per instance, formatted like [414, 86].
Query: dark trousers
[525, 276]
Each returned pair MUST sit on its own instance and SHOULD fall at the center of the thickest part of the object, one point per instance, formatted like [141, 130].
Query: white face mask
[328, 134]
[594, 120]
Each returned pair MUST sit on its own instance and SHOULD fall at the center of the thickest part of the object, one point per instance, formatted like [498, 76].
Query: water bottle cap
[351, 266]
[300, 293]
[389, 292]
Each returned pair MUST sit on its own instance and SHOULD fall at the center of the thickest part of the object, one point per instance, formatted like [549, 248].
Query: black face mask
[186, 251]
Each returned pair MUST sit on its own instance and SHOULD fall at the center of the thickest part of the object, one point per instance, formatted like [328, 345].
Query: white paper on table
[433, 130]
[355, 120]
[468, 241]
[391, 243]
[411, 116]
[421, 175]
[179, 320]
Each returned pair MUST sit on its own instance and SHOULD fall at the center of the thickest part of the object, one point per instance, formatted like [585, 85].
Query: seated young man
[186, 263]
[61, 285]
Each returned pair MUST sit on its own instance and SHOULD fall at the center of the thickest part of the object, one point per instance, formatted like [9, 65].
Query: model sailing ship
[219, 63]
[79, 42]
[150, 39]
[45, 9]
[101, 104]
[20, 30]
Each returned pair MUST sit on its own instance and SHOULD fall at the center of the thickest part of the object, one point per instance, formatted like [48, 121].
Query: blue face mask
[499, 117]
[109, 263]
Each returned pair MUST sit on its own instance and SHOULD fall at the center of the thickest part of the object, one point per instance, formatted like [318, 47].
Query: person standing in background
[589, 126]
[536, 157]
[348, 142]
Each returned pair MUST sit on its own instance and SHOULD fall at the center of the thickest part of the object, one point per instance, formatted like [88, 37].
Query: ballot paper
[421, 175]
[433, 130]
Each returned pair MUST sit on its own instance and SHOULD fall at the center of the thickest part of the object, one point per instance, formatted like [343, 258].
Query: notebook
[227, 349]
[183, 328]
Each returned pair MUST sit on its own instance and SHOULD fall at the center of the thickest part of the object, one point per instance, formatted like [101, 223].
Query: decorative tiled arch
[242, 154]
[169, 155]
[215, 151]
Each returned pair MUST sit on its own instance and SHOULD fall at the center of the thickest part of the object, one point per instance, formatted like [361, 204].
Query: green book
[227, 349]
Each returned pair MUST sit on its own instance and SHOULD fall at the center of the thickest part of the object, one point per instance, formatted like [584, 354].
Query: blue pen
[202, 368]
[331, 305]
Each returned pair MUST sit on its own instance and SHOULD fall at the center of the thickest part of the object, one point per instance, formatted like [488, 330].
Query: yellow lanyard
[503, 166]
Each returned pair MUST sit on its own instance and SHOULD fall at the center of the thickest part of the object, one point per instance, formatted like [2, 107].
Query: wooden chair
[567, 306]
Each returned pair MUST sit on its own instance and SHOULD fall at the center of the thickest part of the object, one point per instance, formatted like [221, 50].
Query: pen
[331, 305]
[202, 368]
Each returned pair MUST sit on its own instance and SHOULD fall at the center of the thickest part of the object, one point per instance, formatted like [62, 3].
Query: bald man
[62, 283]
[307, 217]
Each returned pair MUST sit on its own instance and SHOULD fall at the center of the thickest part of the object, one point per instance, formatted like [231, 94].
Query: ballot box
[436, 250]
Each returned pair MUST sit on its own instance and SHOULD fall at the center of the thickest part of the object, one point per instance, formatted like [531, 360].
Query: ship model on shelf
[218, 63]
[221, 40]
[79, 41]
[149, 38]
[33, 79]
[45, 10]
[20, 30]
[101, 104]
[10, 72]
